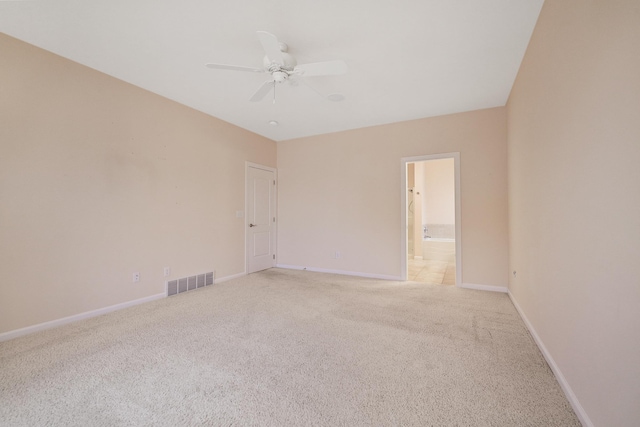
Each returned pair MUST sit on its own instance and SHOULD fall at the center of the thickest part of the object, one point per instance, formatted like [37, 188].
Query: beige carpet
[288, 348]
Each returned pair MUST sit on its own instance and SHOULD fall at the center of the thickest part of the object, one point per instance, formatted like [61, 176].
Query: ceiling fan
[282, 65]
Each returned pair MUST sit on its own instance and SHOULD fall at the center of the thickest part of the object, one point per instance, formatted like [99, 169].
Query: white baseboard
[484, 287]
[227, 278]
[5, 336]
[343, 272]
[571, 397]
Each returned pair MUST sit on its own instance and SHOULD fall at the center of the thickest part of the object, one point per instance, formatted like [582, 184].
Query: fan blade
[321, 68]
[271, 47]
[234, 68]
[262, 92]
[310, 87]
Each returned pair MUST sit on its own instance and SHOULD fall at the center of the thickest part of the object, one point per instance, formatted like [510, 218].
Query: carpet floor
[288, 348]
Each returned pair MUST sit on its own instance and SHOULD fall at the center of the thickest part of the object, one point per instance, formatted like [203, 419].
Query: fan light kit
[282, 67]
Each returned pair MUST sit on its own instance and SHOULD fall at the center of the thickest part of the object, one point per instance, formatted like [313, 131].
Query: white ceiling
[407, 59]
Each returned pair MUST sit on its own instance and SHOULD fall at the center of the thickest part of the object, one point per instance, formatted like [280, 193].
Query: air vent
[182, 285]
[190, 283]
[172, 287]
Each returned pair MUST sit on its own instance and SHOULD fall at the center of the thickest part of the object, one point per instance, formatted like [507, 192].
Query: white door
[261, 218]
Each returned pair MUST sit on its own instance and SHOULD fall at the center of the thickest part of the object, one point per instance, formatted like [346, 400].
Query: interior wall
[574, 199]
[439, 192]
[100, 179]
[342, 192]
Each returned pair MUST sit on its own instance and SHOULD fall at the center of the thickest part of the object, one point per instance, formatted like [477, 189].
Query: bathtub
[439, 248]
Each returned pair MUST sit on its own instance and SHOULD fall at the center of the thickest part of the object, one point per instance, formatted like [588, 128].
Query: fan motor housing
[279, 76]
[289, 62]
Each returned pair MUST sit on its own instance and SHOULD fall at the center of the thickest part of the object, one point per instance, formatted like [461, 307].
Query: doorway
[260, 218]
[431, 232]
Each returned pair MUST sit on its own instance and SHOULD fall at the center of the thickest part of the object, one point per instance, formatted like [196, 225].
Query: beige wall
[99, 179]
[574, 192]
[439, 192]
[342, 192]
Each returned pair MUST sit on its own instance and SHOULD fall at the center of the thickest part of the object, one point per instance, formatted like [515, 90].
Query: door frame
[403, 217]
[248, 165]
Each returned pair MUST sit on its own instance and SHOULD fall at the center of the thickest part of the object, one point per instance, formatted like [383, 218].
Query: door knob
[253, 225]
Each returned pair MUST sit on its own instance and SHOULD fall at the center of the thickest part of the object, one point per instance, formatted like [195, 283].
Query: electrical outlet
[167, 271]
[136, 277]
[338, 255]
[514, 273]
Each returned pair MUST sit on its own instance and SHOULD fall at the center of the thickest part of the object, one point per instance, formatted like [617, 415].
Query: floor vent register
[190, 283]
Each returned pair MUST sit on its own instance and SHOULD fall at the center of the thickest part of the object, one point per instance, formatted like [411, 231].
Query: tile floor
[437, 267]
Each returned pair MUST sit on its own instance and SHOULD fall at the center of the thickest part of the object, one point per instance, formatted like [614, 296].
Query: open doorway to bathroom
[431, 208]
